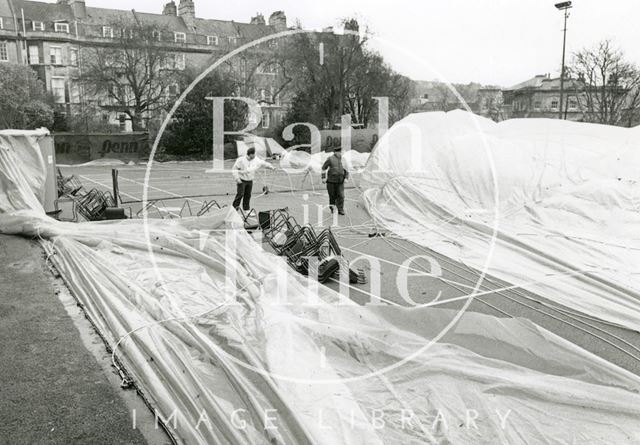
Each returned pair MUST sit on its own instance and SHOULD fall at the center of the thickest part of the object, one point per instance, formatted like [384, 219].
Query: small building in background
[539, 97]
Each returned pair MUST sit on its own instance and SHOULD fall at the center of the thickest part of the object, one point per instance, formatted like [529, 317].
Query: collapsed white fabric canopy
[551, 205]
[352, 160]
[231, 347]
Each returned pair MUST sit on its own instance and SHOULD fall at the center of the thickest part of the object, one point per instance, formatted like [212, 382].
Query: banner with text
[81, 148]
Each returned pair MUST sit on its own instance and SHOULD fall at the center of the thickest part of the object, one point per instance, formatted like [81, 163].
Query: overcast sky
[499, 42]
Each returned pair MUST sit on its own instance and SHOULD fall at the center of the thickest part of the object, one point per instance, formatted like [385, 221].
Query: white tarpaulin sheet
[352, 160]
[194, 321]
[561, 200]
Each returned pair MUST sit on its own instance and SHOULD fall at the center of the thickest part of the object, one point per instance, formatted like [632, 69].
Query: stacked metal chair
[93, 205]
[306, 251]
[68, 185]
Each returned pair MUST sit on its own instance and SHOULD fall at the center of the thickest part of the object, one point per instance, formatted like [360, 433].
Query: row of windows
[178, 37]
[39, 26]
[108, 33]
[178, 61]
[573, 104]
[59, 85]
[554, 104]
[55, 55]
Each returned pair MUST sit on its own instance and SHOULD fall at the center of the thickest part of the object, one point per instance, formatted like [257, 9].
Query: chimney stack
[187, 8]
[278, 20]
[170, 9]
[258, 20]
[79, 8]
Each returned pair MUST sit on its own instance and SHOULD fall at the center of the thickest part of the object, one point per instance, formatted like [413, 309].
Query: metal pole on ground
[116, 188]
[564, 6]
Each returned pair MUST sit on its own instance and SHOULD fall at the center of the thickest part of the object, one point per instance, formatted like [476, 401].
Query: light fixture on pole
[564, 6]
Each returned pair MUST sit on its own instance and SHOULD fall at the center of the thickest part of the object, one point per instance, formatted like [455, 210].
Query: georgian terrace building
[50, 36]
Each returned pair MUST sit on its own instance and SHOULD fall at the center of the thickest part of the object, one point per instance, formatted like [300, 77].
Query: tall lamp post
[564, 6]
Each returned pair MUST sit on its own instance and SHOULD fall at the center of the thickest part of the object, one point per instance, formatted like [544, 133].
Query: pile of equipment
[307, 251]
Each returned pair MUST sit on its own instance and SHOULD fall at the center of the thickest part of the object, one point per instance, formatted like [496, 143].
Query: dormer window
[107, 32]
[180, 37]
[38, 26]
[212, 40]
[62, 27]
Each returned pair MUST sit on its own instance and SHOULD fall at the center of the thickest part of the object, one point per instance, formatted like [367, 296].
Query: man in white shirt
[244, 171]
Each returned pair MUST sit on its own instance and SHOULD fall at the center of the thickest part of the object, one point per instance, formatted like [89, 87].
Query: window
[38, 26]
[573, 103]
[266, 119]
[58, 87]
[537, 104]
[4, 53]
[232, 40]
[75, 93]
[34, 55]
[156, 35]
[263, 94]
[172, 90]
[107, 32]
[73, 56]
[126, 33]
[212, 40]
[179, 61]
[1, 23]
[62, 27]
[554, 103]
[180, 37]
[56, 55]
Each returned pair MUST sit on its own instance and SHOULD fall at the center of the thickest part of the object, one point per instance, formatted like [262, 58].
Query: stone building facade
[539, 97]
[50, 37]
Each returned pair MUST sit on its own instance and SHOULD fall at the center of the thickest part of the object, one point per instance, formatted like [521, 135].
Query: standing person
[334, 174]
[244, 171]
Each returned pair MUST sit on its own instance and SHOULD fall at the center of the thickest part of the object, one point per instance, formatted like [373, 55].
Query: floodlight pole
[565, 6]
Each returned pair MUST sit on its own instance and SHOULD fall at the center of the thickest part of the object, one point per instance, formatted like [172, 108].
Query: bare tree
[375, 78]
[336, 74]
[610, 93]
[259, 69]
[133, 72]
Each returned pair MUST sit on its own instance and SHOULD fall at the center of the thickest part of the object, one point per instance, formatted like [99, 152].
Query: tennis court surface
[183, 189]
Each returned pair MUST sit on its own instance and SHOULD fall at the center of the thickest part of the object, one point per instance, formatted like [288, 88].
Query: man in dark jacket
[334, 174]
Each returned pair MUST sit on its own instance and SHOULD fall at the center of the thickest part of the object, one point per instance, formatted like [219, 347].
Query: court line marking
[164, 191]
[124, 193]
